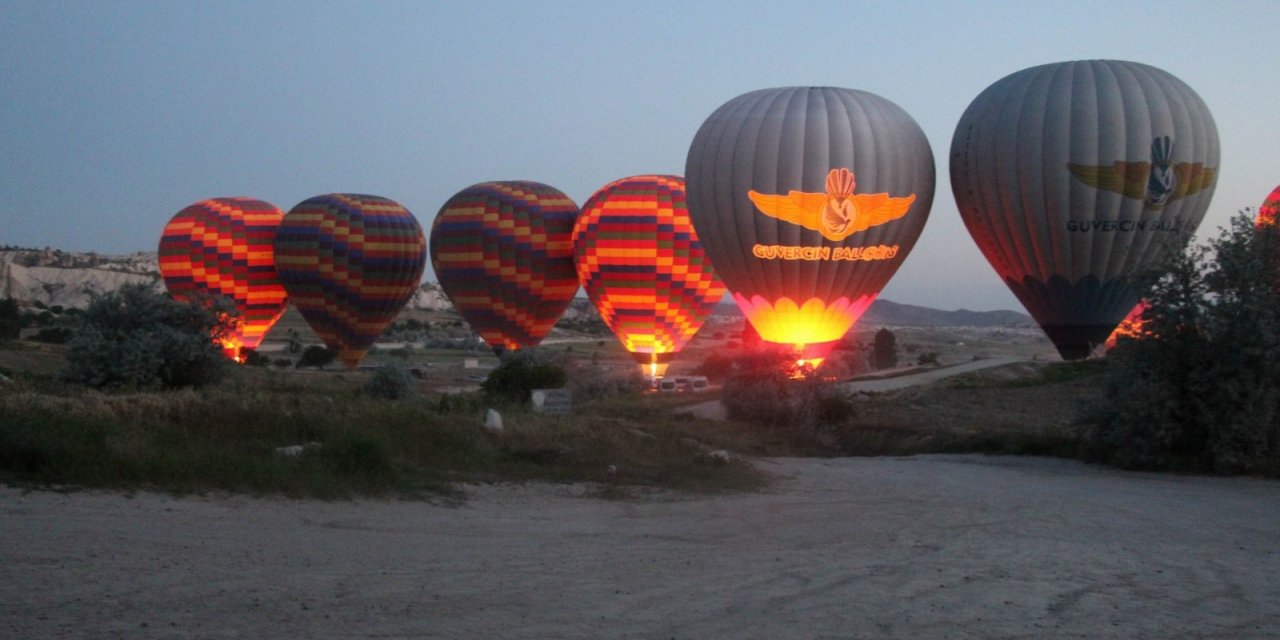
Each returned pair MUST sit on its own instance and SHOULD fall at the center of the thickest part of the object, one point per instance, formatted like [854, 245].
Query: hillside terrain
[52, 277]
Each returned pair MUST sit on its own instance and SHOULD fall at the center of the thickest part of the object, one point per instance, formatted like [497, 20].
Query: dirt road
[929, 547]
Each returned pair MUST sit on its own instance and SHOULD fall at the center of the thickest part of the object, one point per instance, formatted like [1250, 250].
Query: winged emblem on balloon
[1157, 183]
[839, 212]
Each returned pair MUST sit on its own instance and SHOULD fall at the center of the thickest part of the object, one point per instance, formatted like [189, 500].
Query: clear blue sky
[115, 115]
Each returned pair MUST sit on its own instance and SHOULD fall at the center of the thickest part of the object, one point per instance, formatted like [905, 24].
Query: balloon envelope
[223, 247]
[350, 263]
[1270, 208]
[640, 260]
[1073, 177]
[807, 200]
[503, 252]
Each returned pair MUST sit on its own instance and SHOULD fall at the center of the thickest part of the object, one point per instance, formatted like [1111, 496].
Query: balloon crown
[840, 183]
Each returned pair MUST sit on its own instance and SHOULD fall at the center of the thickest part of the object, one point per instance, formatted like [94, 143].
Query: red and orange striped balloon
[1270, 209]
[641, 262]
[503, 254]
[350, 263]
[223, 247]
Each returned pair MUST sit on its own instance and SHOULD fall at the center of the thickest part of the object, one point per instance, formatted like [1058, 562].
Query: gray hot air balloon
[1073, 177]
[807, 200]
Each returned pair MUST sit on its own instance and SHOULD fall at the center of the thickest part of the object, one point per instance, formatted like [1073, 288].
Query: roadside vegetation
[1198, 387]
[264, 431]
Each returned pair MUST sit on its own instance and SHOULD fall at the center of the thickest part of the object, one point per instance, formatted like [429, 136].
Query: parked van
[698, 383]
[667, 385]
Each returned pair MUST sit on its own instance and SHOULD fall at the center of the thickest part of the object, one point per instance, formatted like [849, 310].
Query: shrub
[389, 383]
[137, 338]
[316, 356]
[765, 390]
[254, 359]
[519, 373]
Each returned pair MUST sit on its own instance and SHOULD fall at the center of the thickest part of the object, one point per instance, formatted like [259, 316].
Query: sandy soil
[928, 547]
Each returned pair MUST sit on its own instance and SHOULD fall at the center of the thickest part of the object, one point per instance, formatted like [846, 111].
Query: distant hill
[54, 277]
[887, 313]
[893, 314]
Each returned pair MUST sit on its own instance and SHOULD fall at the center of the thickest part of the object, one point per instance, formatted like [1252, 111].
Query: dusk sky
[115, 115]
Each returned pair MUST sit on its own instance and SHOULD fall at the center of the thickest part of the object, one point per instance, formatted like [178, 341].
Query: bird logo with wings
[836, 214]
[1157, 183]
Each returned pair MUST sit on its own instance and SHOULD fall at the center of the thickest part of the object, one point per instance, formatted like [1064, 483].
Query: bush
[592, 384]
[137, 338]
[519, 373]
[390, 383]
[316, 356]
[254, 359]
[1198, 387]
[765, 390]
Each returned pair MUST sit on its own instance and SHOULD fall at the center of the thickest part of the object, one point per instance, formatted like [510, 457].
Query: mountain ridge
[52, 277]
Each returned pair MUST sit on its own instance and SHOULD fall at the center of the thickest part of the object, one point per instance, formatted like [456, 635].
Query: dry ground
[924, 547]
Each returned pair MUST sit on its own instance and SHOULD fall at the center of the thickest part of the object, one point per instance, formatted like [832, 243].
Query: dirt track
[929, 547]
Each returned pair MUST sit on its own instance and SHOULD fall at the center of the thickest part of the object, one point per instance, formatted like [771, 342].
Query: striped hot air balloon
[503, 254]
[1270, 209]
[641, 262]
[223, 247]
[350, 263]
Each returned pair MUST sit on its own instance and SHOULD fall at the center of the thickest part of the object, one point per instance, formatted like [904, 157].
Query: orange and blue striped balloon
[503, 253]
[641, 262]
[223, 247]
[350, 263]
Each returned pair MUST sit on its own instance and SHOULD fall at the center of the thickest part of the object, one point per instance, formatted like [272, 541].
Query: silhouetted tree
[886, 350]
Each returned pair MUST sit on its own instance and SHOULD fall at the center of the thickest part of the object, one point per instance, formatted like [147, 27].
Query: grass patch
[1048, 373]
[880, 439]
[226, 438]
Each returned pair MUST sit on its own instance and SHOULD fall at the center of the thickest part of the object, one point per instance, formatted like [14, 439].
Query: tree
[137, 338]
[519, 373]
[1198, 387]
[886, 350]
[390, 383]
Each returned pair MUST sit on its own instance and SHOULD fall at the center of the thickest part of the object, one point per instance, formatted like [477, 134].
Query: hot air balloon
[223, 247]
[807, 200]
[503, 253]
[642, 265]
[1270, 209]
[1130, 327]
[1073, 177]
[350, 263]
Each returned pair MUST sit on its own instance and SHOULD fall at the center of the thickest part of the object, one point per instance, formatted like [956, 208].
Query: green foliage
[266, 431]
[717, 367]
[519, 373]
[316, 356]
[1199, 387]
[885, 354]
[136, 338]
[390, 383]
